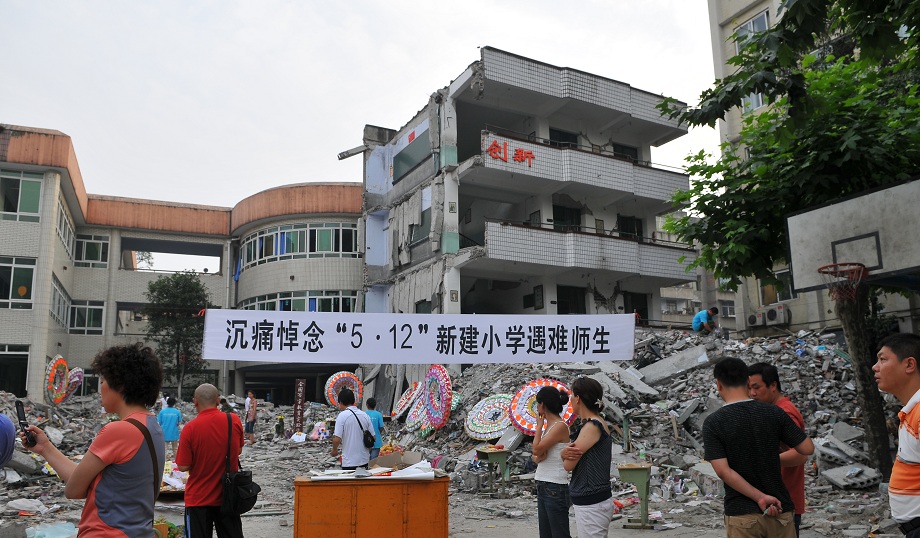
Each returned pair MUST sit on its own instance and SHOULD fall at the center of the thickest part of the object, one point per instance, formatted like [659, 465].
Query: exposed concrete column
[239, 383]
[39, 345]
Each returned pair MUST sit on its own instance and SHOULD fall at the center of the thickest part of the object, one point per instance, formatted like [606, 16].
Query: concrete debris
[655, 404]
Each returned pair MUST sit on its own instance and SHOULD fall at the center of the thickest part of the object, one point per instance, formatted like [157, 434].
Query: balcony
[520, 249]
[517, 163]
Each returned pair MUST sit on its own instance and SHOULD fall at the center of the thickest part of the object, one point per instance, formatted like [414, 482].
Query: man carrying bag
[203, 451]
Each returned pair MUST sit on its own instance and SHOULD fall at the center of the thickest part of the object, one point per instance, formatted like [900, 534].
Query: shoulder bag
[240, 492]
[369, 438]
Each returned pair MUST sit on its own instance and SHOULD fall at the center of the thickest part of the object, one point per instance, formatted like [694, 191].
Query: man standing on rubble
[740, 442]
[764, 386]
[897, 372]
[203, 448]
[350, 426]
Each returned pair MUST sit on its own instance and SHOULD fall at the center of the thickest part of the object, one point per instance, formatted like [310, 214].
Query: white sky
[209, 102]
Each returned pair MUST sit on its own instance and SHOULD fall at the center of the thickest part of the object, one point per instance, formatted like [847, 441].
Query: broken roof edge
[563, 68]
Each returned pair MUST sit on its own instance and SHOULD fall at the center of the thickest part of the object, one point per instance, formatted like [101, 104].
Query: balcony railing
[588, 230]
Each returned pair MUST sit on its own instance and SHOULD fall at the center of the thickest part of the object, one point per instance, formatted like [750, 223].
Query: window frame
[20, 176]
[60, 300]
[17, 265]
[65, 229]
[787, 294]
[86, 306]
[80, 259]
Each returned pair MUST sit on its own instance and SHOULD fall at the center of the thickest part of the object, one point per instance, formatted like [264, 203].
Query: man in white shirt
[349, 434]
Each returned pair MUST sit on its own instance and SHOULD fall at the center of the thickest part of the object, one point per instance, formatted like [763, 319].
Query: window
[772, 294]
[297, 241]
[758, 23]
[416, 150]
[60, 302]
[92, 251]
[421, 230]
[751, 102]
[629, 152]
[16, 282]
[629, 226]
[65, 229]
[20, 195]
[304, 301]
[727, 308]
[86, 317]
[562, 139]
[423, 307]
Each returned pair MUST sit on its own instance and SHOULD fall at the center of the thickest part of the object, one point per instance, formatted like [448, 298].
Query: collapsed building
[655, 407]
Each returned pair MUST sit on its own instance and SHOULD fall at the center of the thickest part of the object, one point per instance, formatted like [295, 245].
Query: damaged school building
[519, 188]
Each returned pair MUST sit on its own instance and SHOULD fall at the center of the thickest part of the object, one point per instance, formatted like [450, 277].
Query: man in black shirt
[740, 442]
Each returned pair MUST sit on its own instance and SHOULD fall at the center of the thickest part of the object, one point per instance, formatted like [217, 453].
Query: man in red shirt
[202, 452]
[764, 386]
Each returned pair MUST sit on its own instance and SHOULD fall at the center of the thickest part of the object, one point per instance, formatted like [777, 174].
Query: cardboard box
[396, 460]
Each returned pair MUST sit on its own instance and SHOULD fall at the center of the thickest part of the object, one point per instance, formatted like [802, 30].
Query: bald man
[203, 447]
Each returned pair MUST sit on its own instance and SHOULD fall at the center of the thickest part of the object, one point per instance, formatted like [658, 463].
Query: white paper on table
[174, 482]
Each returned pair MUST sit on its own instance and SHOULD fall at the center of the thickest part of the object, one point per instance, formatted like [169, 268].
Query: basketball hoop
[843, 279]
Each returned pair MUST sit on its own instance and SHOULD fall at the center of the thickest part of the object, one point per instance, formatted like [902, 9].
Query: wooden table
[377, 507]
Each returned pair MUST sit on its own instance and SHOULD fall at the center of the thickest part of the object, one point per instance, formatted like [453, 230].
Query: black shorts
[250, 426]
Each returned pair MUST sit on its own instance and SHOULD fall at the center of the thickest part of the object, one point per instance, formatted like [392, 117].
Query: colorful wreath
[489, 417]
[439, 395]
[338, 381]
[61, 383]
[407, 399]
[523, 409]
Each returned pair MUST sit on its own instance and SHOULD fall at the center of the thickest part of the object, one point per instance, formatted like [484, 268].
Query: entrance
[571, 300]
[636, 302]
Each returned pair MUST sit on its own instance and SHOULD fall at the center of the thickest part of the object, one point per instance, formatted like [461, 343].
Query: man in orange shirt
[897, 372]
[764, 386]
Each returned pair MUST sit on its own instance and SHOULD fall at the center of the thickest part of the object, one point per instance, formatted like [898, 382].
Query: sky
[211, 101]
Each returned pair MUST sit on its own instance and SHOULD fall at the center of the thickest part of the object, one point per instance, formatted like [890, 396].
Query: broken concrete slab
[674, 365]
[625, 377]
[853, 453]
[855, 476]
[706, 479]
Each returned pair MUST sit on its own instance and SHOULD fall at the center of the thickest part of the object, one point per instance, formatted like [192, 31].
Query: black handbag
[240, 492]
[369, 438]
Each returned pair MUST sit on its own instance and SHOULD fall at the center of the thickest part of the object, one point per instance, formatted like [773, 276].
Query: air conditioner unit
[777, 314]
[755, 319]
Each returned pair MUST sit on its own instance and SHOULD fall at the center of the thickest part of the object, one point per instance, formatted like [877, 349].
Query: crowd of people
[756, 443]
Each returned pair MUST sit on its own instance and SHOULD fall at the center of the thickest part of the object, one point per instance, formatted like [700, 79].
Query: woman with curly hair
[552, 479]
[118, 476]
[588, 457]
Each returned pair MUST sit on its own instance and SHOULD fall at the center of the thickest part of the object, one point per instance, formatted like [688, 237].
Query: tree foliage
[841, 77]
[174, 304]
[862, 131]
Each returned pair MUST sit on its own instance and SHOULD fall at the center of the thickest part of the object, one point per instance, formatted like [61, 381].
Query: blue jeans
[553, 504]
[375, 452]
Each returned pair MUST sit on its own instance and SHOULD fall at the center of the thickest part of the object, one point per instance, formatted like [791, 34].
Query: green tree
[837, 125]
[174, 305]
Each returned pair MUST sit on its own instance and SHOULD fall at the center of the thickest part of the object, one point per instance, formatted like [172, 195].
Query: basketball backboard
[878, 229]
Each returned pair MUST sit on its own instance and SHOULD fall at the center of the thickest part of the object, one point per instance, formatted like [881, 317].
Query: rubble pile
[655, 404]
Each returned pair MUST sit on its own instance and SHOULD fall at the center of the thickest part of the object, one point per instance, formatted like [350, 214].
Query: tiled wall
[563, 82]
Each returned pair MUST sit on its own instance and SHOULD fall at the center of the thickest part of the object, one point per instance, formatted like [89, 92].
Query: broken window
[421, 230]
[20, 195]
[773, 293]
[562, 139]
[416, 152]
[16, 282]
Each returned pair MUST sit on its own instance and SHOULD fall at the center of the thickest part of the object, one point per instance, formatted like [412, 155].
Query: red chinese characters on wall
[500, 152]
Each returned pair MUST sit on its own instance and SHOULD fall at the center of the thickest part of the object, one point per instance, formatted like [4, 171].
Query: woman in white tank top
[552, 479]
